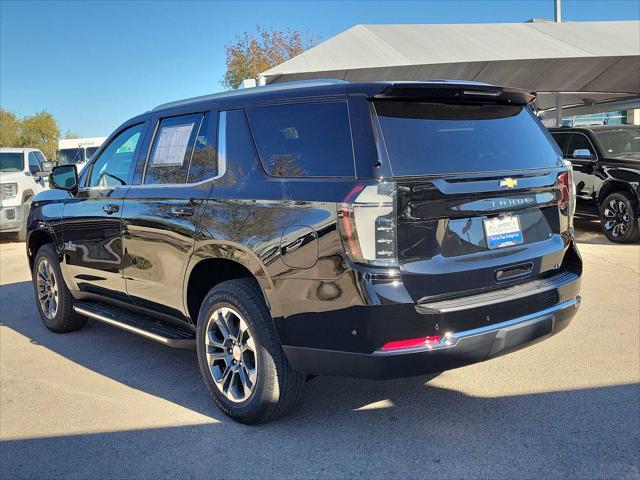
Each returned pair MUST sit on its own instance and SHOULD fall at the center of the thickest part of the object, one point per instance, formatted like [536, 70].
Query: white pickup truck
[23, 173]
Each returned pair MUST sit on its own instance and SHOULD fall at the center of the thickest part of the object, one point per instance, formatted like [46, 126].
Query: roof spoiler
[457, 92]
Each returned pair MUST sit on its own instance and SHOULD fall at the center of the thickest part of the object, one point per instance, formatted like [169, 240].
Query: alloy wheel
[47, 288]
[617, 219]
[231, 354]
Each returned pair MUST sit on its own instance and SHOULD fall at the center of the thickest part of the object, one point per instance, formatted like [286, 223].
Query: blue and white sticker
[502, 231]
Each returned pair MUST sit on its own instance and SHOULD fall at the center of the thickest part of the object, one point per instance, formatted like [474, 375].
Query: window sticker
[172, 145]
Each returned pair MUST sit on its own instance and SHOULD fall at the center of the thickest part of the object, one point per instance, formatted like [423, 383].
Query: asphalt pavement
[102, 403]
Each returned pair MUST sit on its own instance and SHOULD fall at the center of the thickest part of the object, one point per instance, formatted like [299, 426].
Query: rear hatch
[483, 197]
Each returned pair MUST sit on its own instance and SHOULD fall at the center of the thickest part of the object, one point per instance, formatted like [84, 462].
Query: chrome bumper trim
[452, 340]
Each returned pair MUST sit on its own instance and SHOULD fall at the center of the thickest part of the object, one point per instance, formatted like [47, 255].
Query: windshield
[623, 141]
[69, 156]
[11, 161]
[91, 151]
[436, 138]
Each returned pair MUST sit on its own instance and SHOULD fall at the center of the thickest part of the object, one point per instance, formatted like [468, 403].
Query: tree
[35, 131]
[9, 129]
[40, 131]
[252, 54]
[70, 134]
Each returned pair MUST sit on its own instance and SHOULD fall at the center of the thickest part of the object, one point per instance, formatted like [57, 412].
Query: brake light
[567, 193]
[367, 222]
[411, 343]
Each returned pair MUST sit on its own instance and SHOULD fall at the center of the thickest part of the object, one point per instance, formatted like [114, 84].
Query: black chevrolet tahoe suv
[606, 172]
[372, 230]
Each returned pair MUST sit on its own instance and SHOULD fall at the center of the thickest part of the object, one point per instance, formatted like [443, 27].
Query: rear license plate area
[502, 231]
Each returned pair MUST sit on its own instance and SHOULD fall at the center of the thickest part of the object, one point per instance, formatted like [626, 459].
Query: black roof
[328, 87]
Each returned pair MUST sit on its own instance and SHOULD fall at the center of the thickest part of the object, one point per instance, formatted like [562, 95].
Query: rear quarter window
[303, 140]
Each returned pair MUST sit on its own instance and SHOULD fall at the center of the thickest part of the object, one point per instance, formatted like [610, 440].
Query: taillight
[367, 221]
[568, 193]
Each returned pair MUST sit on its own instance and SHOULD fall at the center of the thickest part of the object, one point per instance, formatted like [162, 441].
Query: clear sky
[94, 64]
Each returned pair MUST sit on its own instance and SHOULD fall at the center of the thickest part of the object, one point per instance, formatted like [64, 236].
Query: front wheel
[619, 218]
[53, 299]
[240, 357]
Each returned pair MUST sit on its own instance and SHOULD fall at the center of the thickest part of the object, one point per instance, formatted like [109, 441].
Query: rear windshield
[435, 138]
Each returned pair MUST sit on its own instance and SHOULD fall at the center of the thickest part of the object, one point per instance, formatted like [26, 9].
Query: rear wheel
[53, 299]
[240, 357]
[619, 218]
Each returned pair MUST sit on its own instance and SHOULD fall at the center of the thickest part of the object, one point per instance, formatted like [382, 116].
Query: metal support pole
[558, 109]
[558, 15]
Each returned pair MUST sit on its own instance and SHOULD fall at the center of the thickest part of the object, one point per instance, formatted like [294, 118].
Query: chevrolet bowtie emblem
[508, 182]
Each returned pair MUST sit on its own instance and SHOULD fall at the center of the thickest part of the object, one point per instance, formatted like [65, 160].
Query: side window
[304, 140]
[111, 168]
[34, 165]
[171, 149]
[579, 141]
[90, 151]
[41, 158]
[561, 140]
[203, 161]
[235, 147]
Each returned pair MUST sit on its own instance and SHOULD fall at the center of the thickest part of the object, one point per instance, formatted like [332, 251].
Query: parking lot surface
[104, 403]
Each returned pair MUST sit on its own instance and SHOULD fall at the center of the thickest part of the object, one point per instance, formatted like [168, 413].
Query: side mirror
[64, 177]
[582, 153]
[45, 170]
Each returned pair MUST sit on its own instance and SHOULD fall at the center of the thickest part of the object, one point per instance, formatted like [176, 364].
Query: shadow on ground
[8, 237]
[342, 428]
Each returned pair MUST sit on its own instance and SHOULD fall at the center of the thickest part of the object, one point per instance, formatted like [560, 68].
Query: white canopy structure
[590, 61]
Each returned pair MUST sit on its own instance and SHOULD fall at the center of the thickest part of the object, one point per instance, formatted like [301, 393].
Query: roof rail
[274, 87]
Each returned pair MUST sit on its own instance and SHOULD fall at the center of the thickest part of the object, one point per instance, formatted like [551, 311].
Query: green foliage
[252, 54]
[34, 131]
[41, 131]
[9, 129]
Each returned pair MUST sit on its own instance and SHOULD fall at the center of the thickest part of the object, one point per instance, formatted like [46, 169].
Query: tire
[46, 271]
[272, 387]
[22, 234]
[619, 218]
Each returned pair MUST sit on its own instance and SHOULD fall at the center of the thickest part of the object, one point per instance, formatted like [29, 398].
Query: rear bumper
[456, 350]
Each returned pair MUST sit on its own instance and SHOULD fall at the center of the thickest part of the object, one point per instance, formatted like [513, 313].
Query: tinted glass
[561, 139]
[304, 140]
[111, 168]
[91, 151]
[34, 165]
[237, 150]
[171, 150]
[40, 156]
[203, 161]
[70, 156]
[579, 141]
[11, 161]
[434, 138]
[625, 141]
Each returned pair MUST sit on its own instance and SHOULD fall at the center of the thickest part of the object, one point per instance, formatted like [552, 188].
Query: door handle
[182, 211]
[111, 208]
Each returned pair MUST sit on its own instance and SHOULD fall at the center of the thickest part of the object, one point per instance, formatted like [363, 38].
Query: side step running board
[167, 334]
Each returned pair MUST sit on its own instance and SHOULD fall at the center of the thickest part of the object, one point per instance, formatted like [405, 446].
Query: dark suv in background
[373, 230]
[606, 170]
